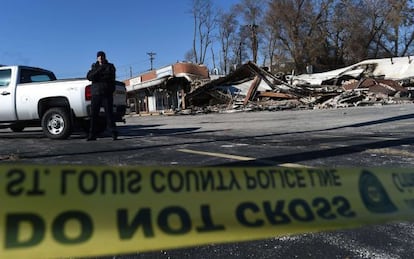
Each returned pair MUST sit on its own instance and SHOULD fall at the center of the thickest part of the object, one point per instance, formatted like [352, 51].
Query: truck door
[7, 95]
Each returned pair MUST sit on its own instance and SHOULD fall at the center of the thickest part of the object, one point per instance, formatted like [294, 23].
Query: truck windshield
[5, 76]
[34, 75]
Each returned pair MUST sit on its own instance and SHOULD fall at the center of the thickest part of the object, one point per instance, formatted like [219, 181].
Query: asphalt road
[380, 136]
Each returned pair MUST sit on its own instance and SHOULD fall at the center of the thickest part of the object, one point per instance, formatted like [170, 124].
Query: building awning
[158, 77]
[147, 84]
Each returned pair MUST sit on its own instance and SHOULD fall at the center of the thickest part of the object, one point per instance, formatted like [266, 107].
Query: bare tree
[252, 15]
[399, 29]
[271, 41]
[204, 22]
[364, 29]
[323, 33]
[301, 28]
[227, 29]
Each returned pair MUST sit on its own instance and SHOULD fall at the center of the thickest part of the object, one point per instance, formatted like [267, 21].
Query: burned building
[163, 90]
[188, 88]
[377, 81]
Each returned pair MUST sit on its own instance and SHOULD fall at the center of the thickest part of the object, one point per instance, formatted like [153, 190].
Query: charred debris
[251, 88]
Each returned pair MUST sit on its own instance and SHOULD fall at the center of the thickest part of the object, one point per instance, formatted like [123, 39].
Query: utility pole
[151, 55]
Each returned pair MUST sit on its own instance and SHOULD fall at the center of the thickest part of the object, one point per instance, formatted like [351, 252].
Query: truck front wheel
[56, 123]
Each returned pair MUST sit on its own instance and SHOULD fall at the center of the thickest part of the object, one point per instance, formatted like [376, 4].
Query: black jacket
[102, 78]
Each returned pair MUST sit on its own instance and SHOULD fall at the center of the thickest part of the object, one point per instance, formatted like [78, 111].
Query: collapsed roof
[250, 74]
[367, 82]
[397, 68]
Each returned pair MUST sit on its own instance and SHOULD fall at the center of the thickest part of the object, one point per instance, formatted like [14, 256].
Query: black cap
[100, 54]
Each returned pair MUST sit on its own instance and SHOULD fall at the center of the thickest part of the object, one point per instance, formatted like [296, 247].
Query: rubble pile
[253, 88]
[367, 91]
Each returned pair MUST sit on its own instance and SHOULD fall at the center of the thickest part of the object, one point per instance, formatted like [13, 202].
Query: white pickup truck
[33, 97]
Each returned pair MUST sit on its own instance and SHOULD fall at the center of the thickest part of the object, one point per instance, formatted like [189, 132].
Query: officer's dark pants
[106, 102]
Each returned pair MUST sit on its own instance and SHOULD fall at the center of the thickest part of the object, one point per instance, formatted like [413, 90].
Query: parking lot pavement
[380, 136]
[368, 136]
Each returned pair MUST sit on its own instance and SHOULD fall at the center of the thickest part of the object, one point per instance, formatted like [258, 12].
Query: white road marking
[240, 158]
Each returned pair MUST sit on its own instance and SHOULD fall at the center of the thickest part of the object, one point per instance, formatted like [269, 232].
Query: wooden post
[252, 90]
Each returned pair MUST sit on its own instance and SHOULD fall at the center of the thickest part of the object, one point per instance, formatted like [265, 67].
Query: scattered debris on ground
[10, 157]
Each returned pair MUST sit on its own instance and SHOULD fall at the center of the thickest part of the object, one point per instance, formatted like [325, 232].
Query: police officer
[102, 76]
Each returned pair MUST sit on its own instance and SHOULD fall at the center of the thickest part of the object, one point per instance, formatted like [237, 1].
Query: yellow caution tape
[61, 211]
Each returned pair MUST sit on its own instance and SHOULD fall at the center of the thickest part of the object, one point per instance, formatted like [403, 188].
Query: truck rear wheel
[56, 123]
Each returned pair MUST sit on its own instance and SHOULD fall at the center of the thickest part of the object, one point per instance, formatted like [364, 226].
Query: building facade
[163, 90]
